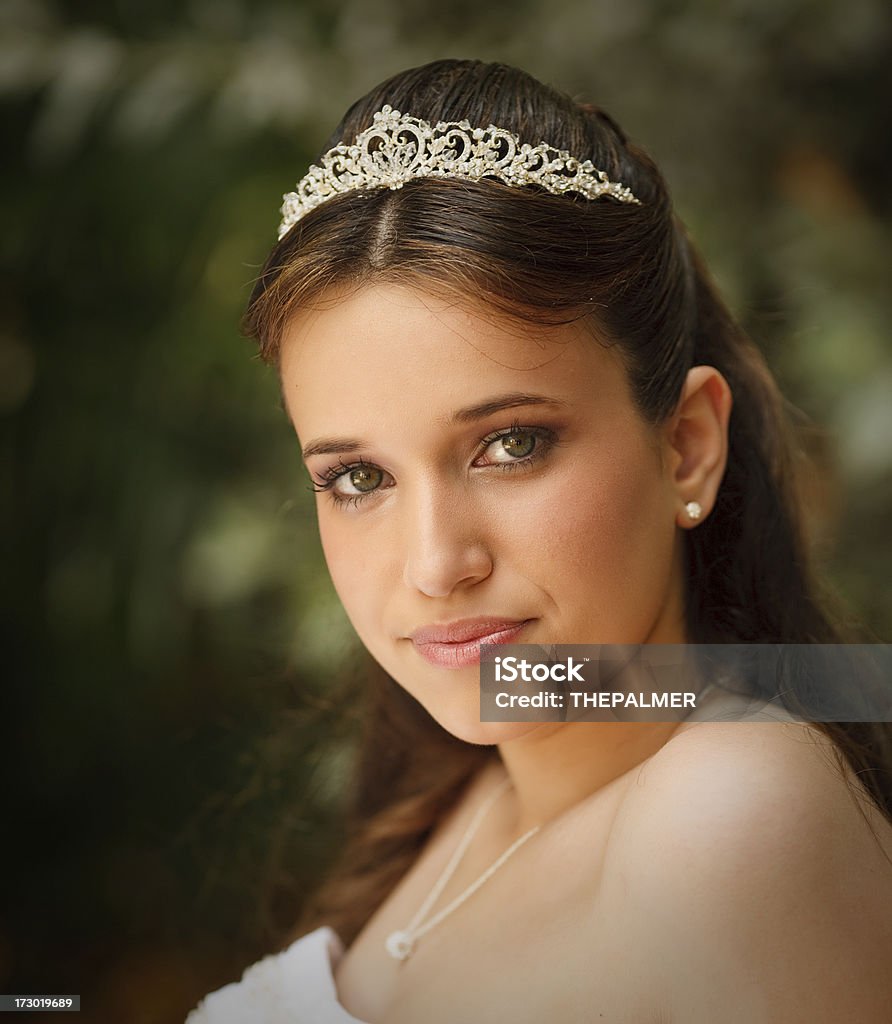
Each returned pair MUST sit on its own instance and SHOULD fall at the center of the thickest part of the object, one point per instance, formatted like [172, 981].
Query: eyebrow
[512, 400]
[469, 414]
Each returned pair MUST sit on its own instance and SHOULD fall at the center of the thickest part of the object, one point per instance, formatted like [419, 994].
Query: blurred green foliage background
[174, 651]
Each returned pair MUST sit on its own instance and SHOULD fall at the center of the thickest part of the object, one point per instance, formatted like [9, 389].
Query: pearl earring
[694, 510]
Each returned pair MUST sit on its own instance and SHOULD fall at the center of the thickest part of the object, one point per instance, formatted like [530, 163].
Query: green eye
[519, 445]
[365, 478]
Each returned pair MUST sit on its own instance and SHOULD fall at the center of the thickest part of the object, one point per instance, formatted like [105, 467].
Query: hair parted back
[632, 274]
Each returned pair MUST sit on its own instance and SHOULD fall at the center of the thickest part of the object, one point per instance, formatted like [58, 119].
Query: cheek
[347, 561]
[355, 566]
[607, 529]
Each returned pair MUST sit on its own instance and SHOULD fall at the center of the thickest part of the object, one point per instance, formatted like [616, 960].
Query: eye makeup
[532, 442]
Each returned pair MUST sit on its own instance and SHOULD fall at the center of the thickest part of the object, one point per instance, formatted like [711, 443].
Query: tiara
[397, 148]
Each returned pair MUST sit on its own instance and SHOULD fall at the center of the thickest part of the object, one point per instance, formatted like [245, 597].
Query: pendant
[400, 945]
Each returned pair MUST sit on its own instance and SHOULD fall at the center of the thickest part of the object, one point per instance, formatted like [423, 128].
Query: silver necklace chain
[401, 944]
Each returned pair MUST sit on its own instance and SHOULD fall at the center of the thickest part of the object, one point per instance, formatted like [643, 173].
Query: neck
[560, 764]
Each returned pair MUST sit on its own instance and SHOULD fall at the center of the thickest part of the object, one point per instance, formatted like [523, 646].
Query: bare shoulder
[744, 848]
[775, 785]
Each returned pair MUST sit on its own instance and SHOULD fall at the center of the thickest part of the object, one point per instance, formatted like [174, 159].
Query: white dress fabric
[295, 986]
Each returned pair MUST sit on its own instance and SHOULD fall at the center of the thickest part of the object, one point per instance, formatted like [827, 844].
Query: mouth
[457, 644]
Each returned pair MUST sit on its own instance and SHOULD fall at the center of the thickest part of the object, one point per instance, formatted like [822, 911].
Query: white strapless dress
[295, 986]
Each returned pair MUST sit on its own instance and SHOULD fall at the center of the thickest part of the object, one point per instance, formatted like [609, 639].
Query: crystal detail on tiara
[397, 148]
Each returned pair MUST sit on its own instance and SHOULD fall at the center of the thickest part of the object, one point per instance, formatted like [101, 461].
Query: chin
[472, 730]
[453, 701]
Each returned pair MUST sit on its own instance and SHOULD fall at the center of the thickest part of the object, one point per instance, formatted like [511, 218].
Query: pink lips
[457, 644]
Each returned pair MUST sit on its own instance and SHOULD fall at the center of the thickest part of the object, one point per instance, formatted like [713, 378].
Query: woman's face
[479, 477]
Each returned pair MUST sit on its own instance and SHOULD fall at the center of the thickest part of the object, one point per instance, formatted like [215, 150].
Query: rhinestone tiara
[397, 148]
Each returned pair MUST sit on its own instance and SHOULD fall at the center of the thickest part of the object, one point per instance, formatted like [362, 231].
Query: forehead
[402, 350]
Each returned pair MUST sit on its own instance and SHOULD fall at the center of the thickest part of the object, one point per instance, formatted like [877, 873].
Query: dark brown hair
[633, 274]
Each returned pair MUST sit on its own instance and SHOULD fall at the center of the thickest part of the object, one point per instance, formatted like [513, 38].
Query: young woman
[529, 418]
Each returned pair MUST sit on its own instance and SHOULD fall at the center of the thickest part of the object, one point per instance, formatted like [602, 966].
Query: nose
[445, 542]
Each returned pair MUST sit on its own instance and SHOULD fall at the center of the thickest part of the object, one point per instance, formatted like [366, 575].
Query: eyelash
[332, 475]
[546, 439]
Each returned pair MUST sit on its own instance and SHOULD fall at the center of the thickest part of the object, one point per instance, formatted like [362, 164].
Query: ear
[696, 440]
